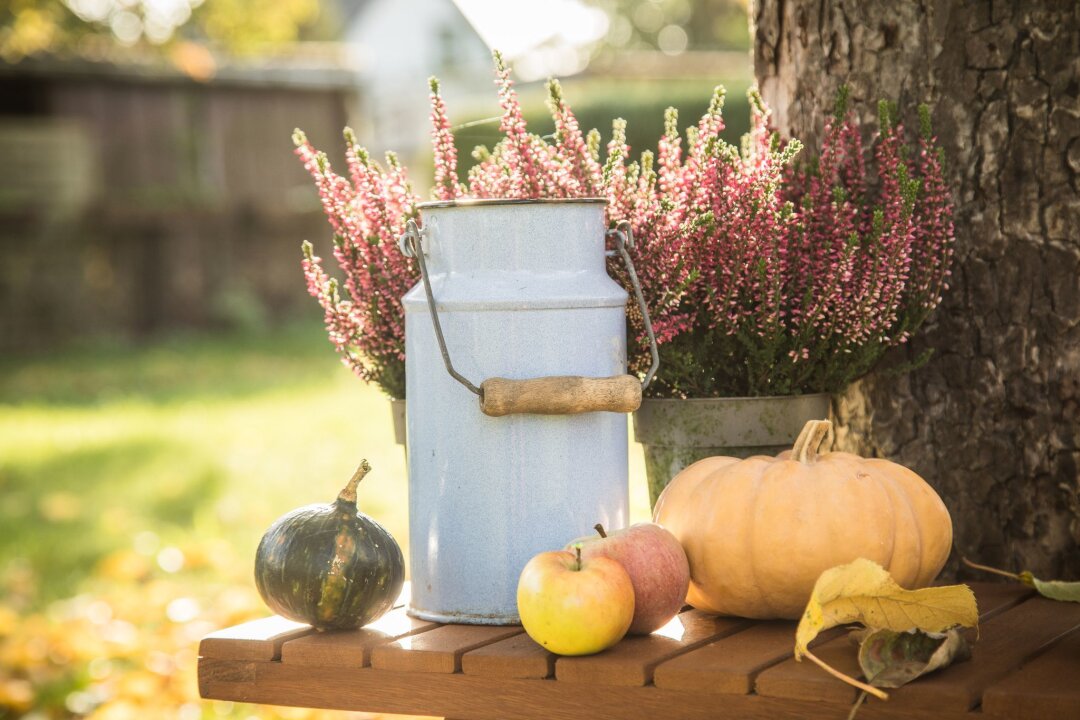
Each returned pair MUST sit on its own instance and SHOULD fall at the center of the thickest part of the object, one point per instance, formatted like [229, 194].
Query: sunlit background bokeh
[166, 387]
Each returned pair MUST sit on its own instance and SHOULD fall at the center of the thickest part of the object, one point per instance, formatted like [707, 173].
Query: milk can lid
[478, 202]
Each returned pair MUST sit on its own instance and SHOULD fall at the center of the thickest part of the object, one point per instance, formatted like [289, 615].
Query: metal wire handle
[623, 235]
[411, 244]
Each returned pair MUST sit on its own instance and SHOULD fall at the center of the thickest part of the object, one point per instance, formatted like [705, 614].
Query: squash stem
[348, 495]
[880, 694]
[987, 568]
[809, 441]
[600, 530]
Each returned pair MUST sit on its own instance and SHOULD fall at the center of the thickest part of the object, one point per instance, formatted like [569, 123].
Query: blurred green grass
[196, 435]
[191, 436]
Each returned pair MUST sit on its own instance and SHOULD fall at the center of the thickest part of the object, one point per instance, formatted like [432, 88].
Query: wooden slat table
[1025, 665]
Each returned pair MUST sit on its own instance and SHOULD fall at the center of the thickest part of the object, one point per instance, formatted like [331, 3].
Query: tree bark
[993, 420]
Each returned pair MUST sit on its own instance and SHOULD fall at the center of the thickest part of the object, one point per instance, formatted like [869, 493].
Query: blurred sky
[521, 24]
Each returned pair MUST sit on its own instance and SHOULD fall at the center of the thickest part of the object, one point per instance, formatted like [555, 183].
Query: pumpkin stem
[348, 495]
[809, 441]
[600, 529]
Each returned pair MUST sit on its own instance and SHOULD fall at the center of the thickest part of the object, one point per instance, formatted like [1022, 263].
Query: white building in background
[395, 45]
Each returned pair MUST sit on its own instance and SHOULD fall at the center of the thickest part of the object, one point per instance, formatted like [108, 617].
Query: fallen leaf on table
[892, 659]
[862, 591]
[1052, 589]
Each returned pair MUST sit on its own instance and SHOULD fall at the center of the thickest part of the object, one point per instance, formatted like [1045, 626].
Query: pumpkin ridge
[889, 493]
[752, 525]
[918, 528]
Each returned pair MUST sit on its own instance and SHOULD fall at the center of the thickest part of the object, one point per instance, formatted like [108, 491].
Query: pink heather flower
[520, 150]
[580, 169]
[932, 248]
[442, 140]
[367, 212]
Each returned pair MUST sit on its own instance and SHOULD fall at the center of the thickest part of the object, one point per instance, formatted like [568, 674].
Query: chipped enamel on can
[522, 292]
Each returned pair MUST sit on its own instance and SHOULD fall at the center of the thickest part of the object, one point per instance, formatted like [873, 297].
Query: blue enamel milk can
[516, 392]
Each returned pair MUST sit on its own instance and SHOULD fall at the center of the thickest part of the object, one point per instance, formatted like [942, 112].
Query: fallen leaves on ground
[126, 648]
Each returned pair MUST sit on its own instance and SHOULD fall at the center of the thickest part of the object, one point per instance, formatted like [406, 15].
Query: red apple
[574, 606]
[657, 565]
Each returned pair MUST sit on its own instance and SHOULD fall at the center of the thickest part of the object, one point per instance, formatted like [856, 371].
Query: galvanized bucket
[676, 433]
[523, 303]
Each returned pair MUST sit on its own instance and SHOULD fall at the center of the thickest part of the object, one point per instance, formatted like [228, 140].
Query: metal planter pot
[397, 413]
[676, 433]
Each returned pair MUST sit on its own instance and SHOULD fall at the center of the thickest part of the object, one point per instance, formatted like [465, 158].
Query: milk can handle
[556, 395]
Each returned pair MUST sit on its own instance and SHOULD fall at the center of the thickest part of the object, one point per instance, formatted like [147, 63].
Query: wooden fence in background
[132, 202]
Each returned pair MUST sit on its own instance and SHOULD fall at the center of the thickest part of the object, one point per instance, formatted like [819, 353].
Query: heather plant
[368, 212]
[762, 276]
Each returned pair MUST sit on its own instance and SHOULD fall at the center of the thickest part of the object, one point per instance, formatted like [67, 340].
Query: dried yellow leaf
[864, 592]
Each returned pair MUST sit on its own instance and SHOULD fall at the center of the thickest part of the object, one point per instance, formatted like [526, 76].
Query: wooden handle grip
[560, 395]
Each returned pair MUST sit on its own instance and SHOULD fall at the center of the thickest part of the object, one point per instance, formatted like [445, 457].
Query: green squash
[330, 565]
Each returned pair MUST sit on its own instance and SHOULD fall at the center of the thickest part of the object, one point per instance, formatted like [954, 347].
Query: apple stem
[600, 529]
[577, 551]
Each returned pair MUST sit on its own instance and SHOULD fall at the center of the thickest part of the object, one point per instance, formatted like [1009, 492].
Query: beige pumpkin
[759, 531]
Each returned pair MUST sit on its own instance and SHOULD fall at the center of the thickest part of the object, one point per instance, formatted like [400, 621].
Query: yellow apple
[573, 606]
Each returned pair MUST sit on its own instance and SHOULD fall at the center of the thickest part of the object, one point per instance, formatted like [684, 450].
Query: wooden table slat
[1046, 687]
[805, 681]
[438, 650]
[352, 648]
[256, 640]
[515, 657]
[995, 598]
[263, 639]
[1005, 643]
[632, 661]
[730, 665]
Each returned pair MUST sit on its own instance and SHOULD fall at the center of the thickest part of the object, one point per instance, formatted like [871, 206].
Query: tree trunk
[993, 420]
